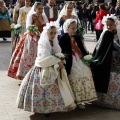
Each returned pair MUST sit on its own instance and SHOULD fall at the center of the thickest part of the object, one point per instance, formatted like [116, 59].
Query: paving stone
[9, 90]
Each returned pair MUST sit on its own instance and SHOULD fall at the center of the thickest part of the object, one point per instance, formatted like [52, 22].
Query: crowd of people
[50, 58]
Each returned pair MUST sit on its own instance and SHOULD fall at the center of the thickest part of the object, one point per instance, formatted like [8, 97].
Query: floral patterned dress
[112, 98]
[23, 58]
[35, 98]
[81, 79]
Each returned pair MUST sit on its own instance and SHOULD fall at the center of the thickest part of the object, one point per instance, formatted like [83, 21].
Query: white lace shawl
[44, 47]
[117, 22]
[29, 17]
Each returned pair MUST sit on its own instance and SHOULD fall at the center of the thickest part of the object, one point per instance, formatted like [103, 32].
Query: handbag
[99, 25]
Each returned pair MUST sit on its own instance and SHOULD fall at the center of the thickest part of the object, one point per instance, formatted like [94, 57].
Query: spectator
[4, 21]
[111, 8]
[98, 21]
[79, 10]
[90, 18]
[51, 10]
[85, 16]
[117, 11]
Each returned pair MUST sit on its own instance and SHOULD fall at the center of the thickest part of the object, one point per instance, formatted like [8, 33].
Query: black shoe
[4, 39]
[47, 115]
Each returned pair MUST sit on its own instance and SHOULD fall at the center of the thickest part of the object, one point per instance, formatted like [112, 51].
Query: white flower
[88, 57]
[60, 55]
[17, 26]
[12, 26]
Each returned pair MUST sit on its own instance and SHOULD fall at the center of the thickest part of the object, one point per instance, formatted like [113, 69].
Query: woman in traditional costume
[68, 12]
[5, 30]
[45, 88]
[19, 4]
[15, 36]
[23, 15]
[79, 74]
[23, 57]
[106, 69]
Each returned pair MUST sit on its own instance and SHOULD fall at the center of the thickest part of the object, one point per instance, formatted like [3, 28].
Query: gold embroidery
[23, 19]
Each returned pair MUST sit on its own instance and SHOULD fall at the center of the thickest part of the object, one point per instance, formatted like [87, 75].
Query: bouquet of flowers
[12, 25]
[59, 55]
[16, 28]
[87, 59]
[33, 29]
[80, 29]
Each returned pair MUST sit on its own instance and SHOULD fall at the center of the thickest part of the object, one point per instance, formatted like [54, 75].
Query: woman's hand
[64, 18]
[61, 64]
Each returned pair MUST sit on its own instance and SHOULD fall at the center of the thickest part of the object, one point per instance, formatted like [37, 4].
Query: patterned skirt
[32, 97]
[23, 57]
[112, 98]
[81, 82]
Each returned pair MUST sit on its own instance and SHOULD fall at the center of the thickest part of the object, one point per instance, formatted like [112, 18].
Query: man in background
[51, 10]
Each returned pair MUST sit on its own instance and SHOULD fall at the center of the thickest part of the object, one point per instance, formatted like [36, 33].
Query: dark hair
[69, 3]
[36, 4]
[102, 6]
[78, 3]
[50, 29]
[12, 6]
[111, 19]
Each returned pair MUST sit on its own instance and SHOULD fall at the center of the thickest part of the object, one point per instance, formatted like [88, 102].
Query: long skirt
[112, 98]
[23, 57]
[32, 97]
[81, 82]
[15, 42]
[5, 28]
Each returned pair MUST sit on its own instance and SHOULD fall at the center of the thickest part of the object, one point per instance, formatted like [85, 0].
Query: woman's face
[111, 25]
[27, 2]
[52, 34]
[1, 3]
[39, 9]
[72, 28]
[118, 2]
[69, 8]
[21, 2]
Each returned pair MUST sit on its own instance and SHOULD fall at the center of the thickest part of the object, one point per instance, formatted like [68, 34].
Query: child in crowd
[45, 88]
[80, 76]
[106, 69]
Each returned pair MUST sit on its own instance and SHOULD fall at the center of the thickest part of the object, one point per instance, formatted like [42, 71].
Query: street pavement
[9, 88]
